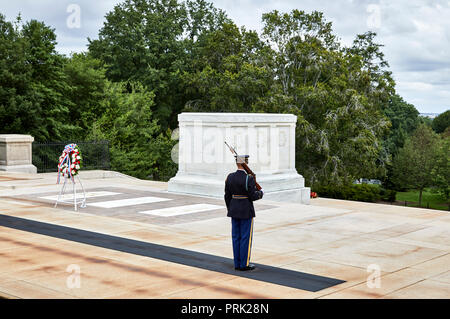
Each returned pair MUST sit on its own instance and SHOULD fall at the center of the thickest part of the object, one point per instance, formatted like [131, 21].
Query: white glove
[262, 190]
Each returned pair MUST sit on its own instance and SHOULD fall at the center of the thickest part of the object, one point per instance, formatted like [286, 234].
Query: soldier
[240, 192]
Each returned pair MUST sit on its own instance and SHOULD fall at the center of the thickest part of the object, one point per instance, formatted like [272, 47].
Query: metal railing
[95, 155]
[427, 205]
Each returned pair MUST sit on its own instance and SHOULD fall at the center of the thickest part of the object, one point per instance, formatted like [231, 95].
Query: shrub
[388, 195]
[357, 192]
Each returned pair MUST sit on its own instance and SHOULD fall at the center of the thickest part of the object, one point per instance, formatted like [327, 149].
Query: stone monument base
[287, 187]
[15, 153]
[30, 169]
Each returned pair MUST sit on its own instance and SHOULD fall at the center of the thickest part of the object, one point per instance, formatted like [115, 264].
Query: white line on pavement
[80, 195]
[181, 210]
[128, 202]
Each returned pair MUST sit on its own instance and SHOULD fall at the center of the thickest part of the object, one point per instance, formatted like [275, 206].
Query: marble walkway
[372, 250]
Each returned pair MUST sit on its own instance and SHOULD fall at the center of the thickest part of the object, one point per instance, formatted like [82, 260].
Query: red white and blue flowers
[69, 162]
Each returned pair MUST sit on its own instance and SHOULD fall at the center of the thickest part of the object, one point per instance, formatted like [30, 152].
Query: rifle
[245, 166]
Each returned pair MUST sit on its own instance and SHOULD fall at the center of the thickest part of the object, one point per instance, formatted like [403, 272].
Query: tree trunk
[420, 197]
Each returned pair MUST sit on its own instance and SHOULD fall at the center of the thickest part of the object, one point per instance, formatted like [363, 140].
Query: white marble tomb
[205, 161]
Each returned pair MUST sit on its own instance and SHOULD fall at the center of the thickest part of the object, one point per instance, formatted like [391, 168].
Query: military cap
[240, 159]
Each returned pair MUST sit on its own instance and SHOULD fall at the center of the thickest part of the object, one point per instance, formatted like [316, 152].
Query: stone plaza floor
[135, 240]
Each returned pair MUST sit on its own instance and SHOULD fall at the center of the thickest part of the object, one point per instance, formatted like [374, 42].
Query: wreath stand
[74, 191]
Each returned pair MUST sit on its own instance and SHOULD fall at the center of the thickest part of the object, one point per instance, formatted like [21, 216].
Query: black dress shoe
[246, 268]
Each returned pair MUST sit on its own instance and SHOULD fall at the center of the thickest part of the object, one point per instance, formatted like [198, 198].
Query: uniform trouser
[241, 233]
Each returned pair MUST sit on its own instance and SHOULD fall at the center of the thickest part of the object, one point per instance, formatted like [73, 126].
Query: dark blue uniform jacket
[240, 207]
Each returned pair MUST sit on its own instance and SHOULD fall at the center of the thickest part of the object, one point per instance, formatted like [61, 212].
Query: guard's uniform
[240, 192]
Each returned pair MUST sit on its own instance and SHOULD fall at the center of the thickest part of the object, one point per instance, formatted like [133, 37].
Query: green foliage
[404, 118]
[440, 173]
[426, 121]
[300, 68]
[441, 122]
[357, 192]
[33, 85]
[151, 42]
[138, 146]
[416, 160]
[86, 81]
[388, 195]
[229, 77]
[430, 199]
[339, 93]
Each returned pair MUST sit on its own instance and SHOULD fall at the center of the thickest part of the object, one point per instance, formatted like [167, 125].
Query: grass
[429, 199]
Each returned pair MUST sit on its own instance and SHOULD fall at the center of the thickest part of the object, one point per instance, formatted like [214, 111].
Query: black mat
[191, 258]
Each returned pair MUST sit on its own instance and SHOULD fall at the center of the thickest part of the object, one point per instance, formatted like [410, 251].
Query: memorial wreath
[69, 162]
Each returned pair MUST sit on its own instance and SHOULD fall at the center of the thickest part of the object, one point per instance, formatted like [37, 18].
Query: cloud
[415, 33]
[416, 86]
[55, 14]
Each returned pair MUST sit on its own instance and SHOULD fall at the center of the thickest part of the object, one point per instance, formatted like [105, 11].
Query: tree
[230, 76]
[337, 91]
[139, 147]
[415, 161]
[404, 118]
[86, 90]
[441, 171]
[426, 120]
[151, 42]
[441, 122]
[375, 80]
[32, 82]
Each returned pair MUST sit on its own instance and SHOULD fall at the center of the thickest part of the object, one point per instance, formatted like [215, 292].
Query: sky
[415, 33]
